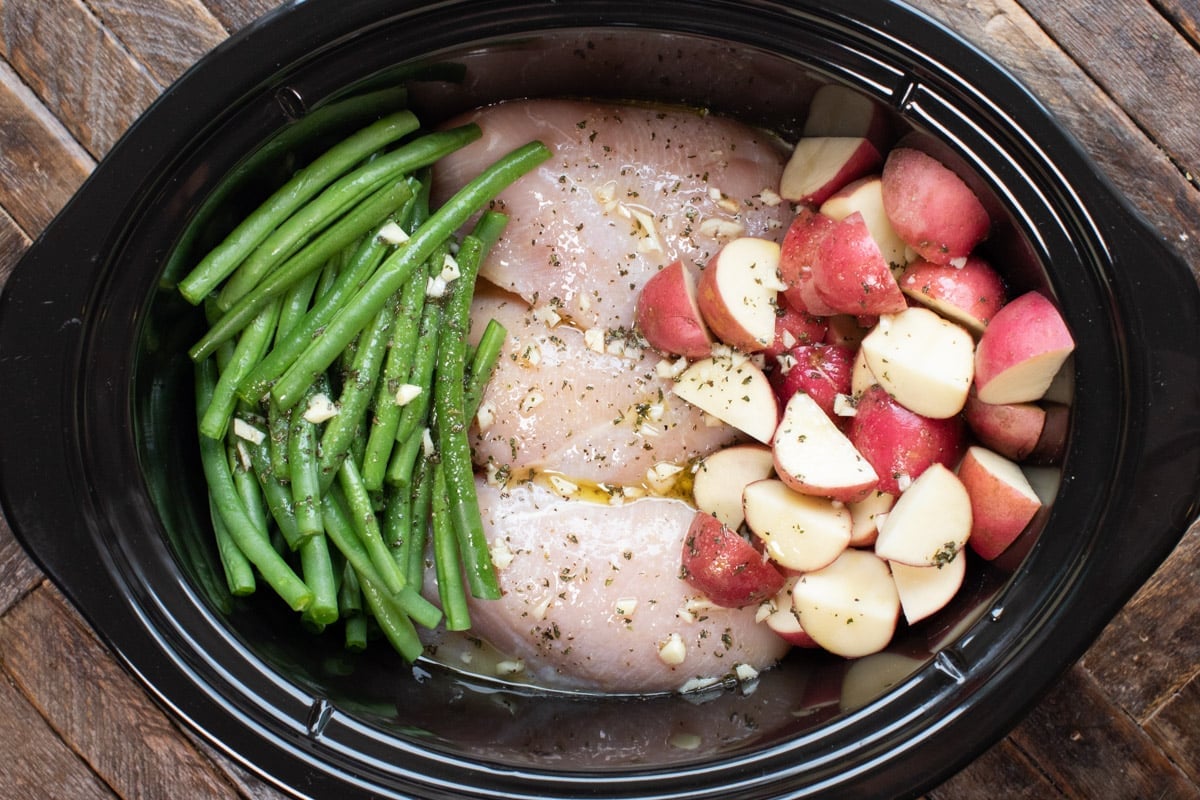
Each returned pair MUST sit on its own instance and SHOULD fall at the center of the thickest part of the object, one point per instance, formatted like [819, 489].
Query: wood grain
[95, 704]
[1003, 771]
[40, 164]
[13, 243]
[77, 67]
[37, 763]
[237, 14]
[1141, 60]
[1176, 728]
[1185, 15]
[20, 574]
[166, 36]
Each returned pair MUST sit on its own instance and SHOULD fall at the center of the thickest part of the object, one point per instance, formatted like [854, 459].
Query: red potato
[668, 314]
[1022, 350]
[851, 607]
[720, 478]
[1053, 442]
[1011, 429]
[865, 196]
[867, 515]
[861, 377]
[779, 614]
[813, 456]
[822, 371]
[923, 361]
[901, 444]
[838, 110]
[847, 329]
[733, 389]
[969, 295]
[794, 326]
[726, 567]
[797, 253]
[820, 165]
[798, 532]
[850, 273]
[931, 208]
[738, 290]
[926, 590]
[1002, 500]
[930, 522]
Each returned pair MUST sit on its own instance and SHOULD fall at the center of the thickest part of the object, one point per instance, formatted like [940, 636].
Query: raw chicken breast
[554, 403]
[628, 190]
[592, 592]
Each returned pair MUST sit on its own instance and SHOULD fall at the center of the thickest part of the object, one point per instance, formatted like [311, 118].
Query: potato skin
[668, 316]
[896, 441]
[930, 207]
[726, 567]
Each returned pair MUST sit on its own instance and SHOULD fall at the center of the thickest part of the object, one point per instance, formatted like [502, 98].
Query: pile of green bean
[335, 385]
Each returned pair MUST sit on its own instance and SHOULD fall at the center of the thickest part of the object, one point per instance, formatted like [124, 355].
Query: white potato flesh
[850, 607]
[930, 522]
[925, 362]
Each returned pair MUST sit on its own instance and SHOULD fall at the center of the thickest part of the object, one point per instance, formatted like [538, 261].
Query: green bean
[333, 201]
[277, 495]
[251, 346]
[404, 459]
[356, 633]
[483, 361]
[400, 266]
[450, 416]
[224, 258]
[363, 218]
[362, 265]
[395, 624]
[349, 593]
[357, 391]
[256, 547]
[446, 558]
[317, 568]
[305, 473]
[239, 574]
[296, 300]
[402, 347]
[366, 525]
[415, 414]
[422, 501]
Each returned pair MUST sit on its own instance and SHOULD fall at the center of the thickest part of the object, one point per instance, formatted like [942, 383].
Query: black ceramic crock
[99, 473]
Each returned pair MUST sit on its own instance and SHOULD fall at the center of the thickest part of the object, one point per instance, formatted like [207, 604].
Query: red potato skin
[1011, 429]
[850, 273]
[668, 316]
[728, 569]
[864, 160]
[795, 326]
[822, 371]
[999, 513]
[798, 253]
[975, 289]
[930, 207]
[895, 441]
[1025, 328]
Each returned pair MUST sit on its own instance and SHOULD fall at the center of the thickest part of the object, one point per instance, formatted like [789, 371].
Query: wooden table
[1124, 76]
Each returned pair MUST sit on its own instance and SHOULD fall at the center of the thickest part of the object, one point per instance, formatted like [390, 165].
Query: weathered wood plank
[1130, 658]
[95, 705]
[1185, 15]
[13, 244]
[1122, 150]
[78, 69]
[1156, 86]
[237, 14]
[166, 36]
[1087, 746]
[40, 164]
[20, 573]
[36, 762]
[1176, 727]
[1003, 771]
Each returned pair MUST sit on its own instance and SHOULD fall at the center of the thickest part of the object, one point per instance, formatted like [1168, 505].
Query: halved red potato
[721, 476]
[923, 360]
[838, 110]
[867, 515]
[794, 326]
[1022, 350]
[865, 196]
[926, 590]
[822, 371]
[813, 456]
[901, 444]
[798, 532]
[1002, 500]
[730, 571]
[930, 522]
[820, 165]
[729, 386]
[970, 294]
[931, 208]
[668, 314]
[851, 274]
[797, 253]
[851, 607]
[779, 614]
[1011, 429]
[737, 293]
